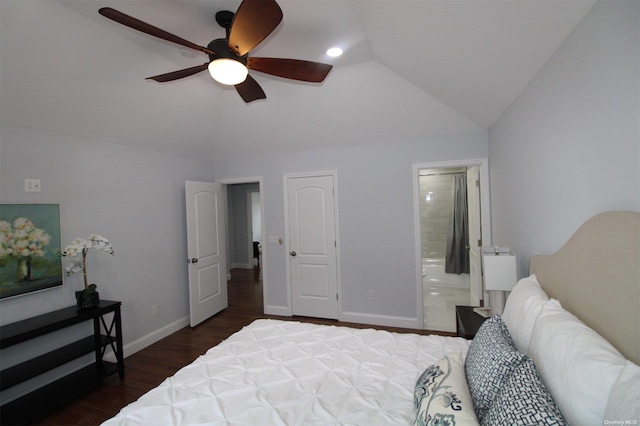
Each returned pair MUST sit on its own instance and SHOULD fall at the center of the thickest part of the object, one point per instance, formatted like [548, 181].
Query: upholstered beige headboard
[595, 276]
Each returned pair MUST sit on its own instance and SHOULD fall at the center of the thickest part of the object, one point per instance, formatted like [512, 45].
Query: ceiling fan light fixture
[228, 71]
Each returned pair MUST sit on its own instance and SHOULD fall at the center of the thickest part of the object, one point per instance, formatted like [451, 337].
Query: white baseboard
[357, 318]
[277, 310]
[382, 320]
[241, 266]
[149, 339]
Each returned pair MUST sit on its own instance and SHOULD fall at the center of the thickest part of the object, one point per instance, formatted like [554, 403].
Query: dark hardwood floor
[147, 368]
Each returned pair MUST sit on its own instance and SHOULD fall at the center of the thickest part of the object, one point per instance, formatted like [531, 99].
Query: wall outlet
[32, 185]
[154, 310]
[372, 294]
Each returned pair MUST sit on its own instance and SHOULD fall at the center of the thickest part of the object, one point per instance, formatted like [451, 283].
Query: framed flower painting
[30, 244]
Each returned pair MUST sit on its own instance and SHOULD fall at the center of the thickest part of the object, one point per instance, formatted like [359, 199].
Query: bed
[537, 364]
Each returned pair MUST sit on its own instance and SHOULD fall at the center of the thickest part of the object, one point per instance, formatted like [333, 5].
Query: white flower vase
[24, 269]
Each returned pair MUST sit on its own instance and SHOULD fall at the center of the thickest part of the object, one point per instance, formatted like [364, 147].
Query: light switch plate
[32, 185]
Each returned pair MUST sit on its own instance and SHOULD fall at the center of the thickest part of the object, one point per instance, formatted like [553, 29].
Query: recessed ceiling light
[334, 52]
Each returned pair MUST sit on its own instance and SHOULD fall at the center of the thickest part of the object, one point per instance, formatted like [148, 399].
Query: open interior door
[205, 250]
[475, 235]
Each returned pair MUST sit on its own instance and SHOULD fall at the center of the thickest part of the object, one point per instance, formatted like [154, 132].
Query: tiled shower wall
[436, 200]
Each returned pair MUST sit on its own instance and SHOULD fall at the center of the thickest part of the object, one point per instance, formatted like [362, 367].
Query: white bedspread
[289, 373]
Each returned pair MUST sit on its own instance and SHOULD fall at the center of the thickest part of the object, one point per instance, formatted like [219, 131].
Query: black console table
[105, 334]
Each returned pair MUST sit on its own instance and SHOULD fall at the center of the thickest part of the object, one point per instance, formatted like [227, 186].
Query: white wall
[256, 216]
[375, 203]
[136, 199]
[569, 147]
[131, 196]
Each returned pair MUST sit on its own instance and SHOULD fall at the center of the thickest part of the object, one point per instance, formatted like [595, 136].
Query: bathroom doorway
[449, 229]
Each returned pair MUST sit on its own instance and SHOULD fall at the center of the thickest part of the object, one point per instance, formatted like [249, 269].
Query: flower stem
[84, 267]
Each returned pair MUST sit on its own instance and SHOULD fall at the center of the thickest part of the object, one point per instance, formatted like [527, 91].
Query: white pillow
[521, 310]
[624, 400]
[578, 366]
[442, 396]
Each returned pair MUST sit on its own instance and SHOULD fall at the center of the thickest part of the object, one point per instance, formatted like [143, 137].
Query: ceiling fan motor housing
[221, 47]
[224, 18]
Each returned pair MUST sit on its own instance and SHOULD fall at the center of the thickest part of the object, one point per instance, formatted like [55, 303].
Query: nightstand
[467, 321]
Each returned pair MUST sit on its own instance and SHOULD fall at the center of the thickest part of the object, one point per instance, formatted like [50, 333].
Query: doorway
[241, 213]
[449, 199]
[244, 223]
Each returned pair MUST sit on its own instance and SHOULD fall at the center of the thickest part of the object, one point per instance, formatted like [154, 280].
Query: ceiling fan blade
[252, 23]
[175, 75]
[295, 69]
[139, 25]
[250, 90]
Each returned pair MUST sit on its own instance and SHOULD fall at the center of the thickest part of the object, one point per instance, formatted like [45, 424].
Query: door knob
[192, 260]
[293, 253]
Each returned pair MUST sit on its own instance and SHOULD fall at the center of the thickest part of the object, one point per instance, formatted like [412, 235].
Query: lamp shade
[500, 270]
[228, 71]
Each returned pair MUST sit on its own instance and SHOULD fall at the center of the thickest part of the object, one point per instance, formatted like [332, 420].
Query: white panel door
[473, 203]
[205, 250]
[312, 246]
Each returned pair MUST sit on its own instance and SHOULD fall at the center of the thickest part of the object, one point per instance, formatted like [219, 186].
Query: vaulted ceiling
[411, 69]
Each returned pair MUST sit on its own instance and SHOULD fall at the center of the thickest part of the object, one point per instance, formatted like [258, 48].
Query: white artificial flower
[80, 247]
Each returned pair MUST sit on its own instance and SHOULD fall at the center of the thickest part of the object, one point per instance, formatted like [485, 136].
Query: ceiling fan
[229, 57]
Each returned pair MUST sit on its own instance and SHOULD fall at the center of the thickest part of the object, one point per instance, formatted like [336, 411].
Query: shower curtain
[457, 260]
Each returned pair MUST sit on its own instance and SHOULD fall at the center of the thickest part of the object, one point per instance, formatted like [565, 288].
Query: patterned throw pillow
[441, 395]
[524, 400]
[491, 359]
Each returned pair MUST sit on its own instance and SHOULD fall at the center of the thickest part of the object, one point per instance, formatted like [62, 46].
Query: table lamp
[500, 275]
